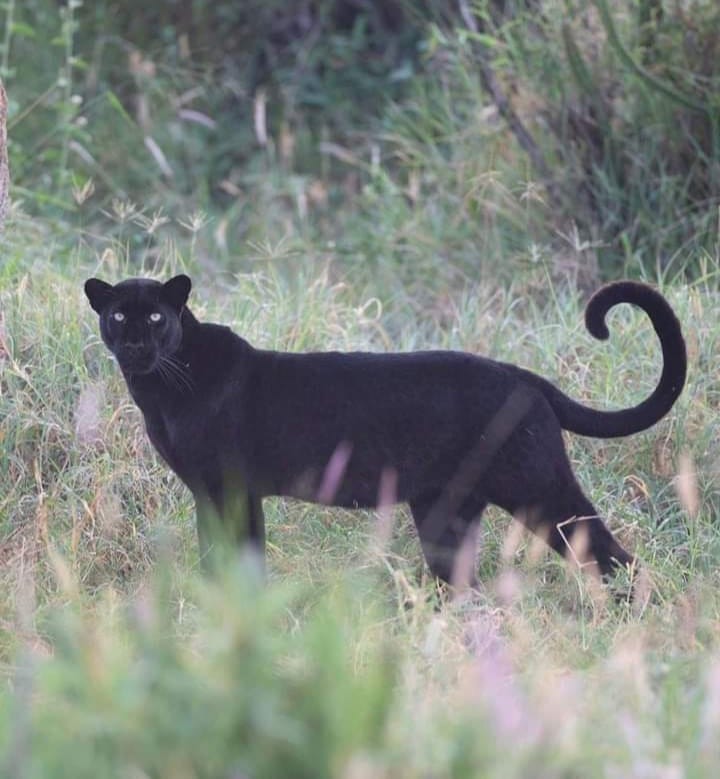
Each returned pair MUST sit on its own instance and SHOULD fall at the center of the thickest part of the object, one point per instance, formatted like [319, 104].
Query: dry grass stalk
[686, 484]
[4, 166]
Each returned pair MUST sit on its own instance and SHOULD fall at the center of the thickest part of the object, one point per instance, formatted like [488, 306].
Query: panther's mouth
[137, 363]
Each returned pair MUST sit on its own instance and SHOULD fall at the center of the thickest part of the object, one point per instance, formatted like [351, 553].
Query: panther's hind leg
[570, 524]
[532, 479]
[448, 539]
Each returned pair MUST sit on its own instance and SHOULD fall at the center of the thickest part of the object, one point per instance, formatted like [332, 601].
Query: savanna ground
[338, 179]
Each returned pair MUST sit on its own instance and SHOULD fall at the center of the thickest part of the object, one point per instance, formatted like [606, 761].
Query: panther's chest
[175, 436]
[185, 441]
[164, 438]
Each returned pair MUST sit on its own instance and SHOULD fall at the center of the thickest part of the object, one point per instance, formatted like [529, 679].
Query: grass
[120, 660]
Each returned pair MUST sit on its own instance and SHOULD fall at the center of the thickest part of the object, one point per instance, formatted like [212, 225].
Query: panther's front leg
[229, 514]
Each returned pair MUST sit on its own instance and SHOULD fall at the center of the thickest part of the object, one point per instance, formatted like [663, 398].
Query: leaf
[23, 30]
[487, 40]
[115, 103]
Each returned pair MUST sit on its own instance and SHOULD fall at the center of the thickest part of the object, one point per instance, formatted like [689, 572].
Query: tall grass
[121, 660]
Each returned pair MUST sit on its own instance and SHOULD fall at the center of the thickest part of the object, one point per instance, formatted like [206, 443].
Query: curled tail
[576, 418]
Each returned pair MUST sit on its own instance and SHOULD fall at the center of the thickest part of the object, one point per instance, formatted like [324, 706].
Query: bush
[622, 102]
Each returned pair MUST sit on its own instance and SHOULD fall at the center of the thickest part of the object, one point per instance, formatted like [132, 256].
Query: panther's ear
[99, 293]
[176, 291]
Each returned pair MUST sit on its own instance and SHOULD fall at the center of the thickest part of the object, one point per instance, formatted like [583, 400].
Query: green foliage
[631, 109]
[316, 118]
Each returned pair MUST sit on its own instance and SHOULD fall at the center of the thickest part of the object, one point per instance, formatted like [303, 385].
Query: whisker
[175, 369]
[171, 377]
[167, 377]
[181, 372]
[178, 363]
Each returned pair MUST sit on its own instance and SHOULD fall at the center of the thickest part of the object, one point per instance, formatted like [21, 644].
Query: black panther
[456, 431]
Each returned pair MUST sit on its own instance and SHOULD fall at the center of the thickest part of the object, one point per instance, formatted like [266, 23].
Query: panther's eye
[155, 317]
[118, 316]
